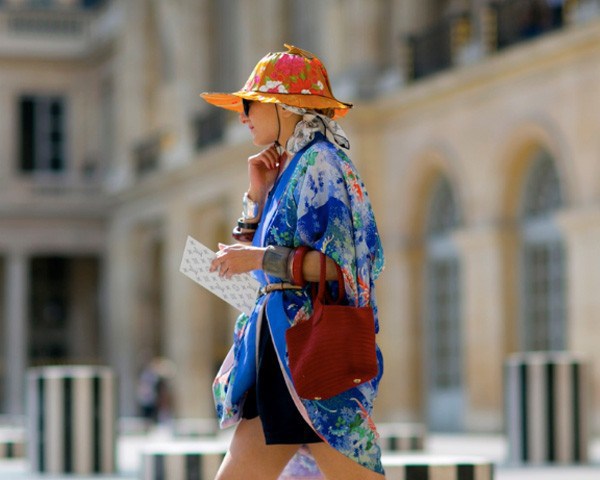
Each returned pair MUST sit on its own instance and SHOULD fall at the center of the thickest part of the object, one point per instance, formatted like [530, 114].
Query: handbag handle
[322, 292]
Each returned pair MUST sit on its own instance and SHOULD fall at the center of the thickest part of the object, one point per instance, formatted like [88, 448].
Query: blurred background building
[475, 129]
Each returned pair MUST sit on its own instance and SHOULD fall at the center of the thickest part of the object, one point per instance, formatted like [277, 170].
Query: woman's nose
[243, 117]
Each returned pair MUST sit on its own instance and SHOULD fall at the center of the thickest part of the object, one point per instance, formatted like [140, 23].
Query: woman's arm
[263, 169]
[236, 259]
[311, 267]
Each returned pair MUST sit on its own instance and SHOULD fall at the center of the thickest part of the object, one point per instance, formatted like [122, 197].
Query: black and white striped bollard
[403, 466]
[176, 460]
[546, 407]
[72, 419]
[12, 443]
[401, 437]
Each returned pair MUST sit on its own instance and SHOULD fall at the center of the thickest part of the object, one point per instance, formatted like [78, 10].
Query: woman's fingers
[219, 262]
[223, 268]
[262, 172]
[268, 157]
[235, 259]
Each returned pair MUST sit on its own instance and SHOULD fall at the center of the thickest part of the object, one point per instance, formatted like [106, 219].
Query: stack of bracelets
[244, 232]
[282, 262]
[285, 263]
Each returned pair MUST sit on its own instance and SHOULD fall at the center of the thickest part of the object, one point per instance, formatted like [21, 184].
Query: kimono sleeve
[336, 219]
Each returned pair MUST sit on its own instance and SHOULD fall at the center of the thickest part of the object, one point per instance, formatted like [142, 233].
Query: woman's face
[262, 122]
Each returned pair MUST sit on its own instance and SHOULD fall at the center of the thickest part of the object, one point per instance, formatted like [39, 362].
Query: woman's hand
[235, 259]
[262, 173]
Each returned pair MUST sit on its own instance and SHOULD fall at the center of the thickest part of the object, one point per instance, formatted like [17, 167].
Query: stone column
[129, 72]
[120, 280]
[581, 230]
[485, 272]
[17, 321]
[400, 336]
[188, 336]
[8, 130]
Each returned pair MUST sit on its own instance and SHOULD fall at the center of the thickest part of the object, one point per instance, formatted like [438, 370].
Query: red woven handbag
[334, 350]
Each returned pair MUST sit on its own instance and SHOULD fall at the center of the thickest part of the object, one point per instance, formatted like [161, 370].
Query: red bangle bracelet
[297, 264]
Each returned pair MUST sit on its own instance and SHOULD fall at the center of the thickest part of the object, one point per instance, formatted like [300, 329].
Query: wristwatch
[250, 207]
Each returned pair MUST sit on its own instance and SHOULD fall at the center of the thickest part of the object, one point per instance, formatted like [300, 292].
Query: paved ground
[489, 447]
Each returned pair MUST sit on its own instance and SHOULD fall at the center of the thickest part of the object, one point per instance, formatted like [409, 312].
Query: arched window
[443, 213]
[543, 260]
[443, 335]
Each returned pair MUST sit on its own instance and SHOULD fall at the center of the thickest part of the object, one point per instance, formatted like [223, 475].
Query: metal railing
[435, 48]
[68, 31]
[43, 23]
[54, 4]
[501, 24]
[515, 21]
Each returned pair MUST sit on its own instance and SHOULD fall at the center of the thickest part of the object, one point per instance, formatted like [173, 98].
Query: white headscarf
[311, 123]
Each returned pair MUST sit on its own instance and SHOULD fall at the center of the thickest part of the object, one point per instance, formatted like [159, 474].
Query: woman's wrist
[298, 266]
[275, 261]
[257, 195]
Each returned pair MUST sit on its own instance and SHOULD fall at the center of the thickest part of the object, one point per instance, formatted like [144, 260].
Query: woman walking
[305, 198]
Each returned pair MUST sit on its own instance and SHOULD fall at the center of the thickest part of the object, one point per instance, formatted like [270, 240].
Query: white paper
[239, 290]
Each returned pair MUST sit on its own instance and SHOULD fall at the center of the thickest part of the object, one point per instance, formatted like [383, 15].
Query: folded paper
[239, 291]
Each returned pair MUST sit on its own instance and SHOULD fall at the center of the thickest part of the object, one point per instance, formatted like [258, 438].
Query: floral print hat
[296, 78]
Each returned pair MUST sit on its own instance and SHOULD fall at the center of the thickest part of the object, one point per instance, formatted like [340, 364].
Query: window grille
[543, 261]
[444, 322]
[443, 332]
[443, 213]
[543, 192]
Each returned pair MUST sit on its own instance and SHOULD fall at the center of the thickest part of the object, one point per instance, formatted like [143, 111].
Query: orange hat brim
[233, 101]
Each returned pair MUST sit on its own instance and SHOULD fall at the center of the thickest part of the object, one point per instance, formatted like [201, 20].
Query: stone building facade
[474, 130]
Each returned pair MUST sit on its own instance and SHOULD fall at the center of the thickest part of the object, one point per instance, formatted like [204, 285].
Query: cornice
[546, 53]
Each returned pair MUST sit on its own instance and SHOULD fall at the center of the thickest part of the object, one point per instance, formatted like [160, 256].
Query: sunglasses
[246, 104]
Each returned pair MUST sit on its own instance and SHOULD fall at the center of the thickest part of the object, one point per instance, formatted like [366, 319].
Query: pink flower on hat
[296, 77]
[289, 65]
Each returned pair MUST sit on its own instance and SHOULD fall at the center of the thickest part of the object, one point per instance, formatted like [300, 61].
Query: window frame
[42, 145]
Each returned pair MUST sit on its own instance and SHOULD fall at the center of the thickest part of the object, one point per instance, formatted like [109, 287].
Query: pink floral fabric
[287, 73]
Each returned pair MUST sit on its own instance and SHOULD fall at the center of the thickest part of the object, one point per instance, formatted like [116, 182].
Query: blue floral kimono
[318, 201]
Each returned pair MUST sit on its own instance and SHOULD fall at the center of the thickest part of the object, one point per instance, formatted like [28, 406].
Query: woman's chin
[261, 142]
